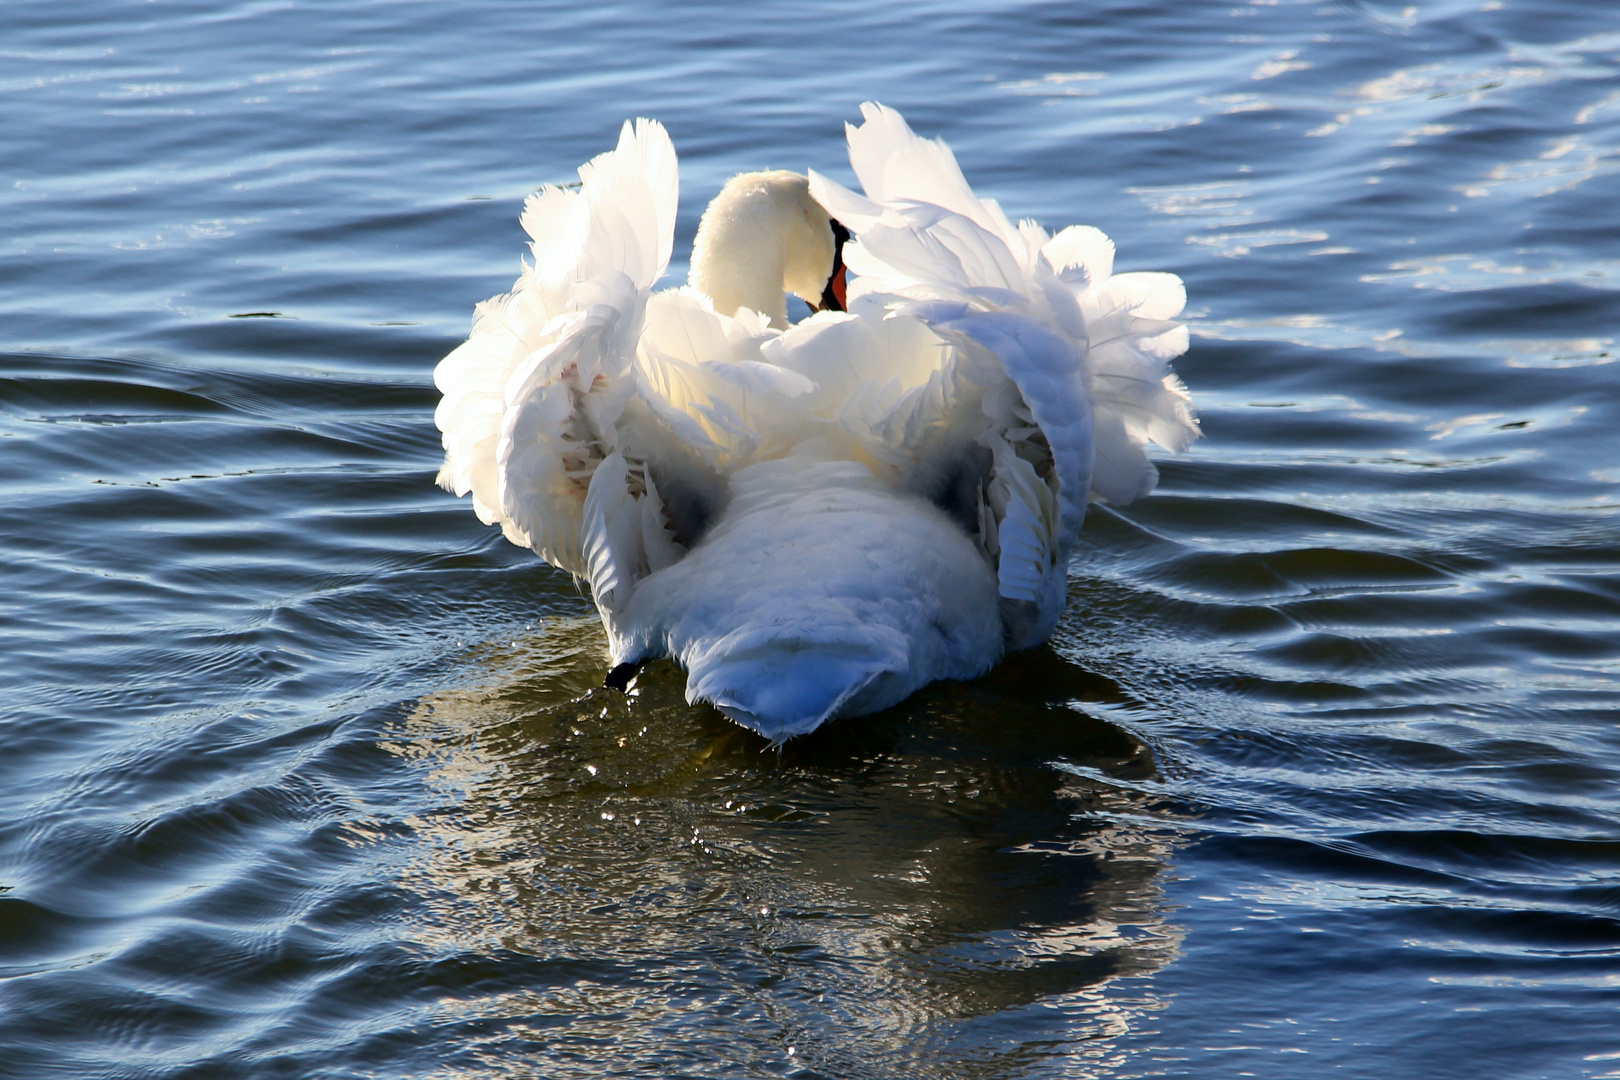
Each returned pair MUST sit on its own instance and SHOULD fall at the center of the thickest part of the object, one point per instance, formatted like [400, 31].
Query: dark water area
[305, 773]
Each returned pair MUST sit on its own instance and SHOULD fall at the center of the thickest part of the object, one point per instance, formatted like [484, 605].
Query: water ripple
[307, 774]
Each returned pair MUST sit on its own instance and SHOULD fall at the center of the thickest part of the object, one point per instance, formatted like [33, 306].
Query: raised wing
[534, 399]
[1069, 362]
[594, 420]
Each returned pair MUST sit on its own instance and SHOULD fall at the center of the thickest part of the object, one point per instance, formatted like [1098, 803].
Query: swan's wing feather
[1133, 337]
[694, 401]
[762, 379]
[979, 381]
[882, 385]
[680, 331]
[708, 377]
[1022, 524]
[612, 541]
[634, 193]
[1144, 294]
[534, 479]
[682, 324]
[659, 546]
[506, 331]
[1043, 365]
[835, 352]
[947, 253]
[1028, 536]
[855, 212]
[1081, 248]
[557, 427]
[896, 166]
[557, 221]
[665, 385]
[922, 238]
[532, 398]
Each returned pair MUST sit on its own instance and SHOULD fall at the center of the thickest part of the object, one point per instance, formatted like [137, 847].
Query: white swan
[814, 520]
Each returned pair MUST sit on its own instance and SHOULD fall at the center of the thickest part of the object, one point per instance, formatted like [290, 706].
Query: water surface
[305, 773]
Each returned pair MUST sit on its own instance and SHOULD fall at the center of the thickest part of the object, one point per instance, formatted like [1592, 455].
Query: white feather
[815, 520]
[821, 593]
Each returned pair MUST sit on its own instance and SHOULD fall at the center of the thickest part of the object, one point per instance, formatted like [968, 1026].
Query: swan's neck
[762, 236]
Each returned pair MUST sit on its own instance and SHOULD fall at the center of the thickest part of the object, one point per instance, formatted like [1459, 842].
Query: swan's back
[822, 593]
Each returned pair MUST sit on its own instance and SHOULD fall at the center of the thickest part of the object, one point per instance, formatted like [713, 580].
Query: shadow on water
[924, 892]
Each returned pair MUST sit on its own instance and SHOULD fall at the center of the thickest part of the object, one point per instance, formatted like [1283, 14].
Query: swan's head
[764, 236]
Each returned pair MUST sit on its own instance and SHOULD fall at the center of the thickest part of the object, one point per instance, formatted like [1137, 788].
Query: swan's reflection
[916, 893]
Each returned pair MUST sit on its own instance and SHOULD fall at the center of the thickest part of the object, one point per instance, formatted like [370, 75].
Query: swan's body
[814, 520]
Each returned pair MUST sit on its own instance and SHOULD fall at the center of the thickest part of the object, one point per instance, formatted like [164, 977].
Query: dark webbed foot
[619, 678]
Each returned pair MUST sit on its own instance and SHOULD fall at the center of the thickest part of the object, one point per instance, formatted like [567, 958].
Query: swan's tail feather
[823, 593]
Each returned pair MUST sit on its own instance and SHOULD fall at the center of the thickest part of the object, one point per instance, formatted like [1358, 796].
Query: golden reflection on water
[648, 885]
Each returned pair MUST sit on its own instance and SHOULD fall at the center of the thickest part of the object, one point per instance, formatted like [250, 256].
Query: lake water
[304, 773]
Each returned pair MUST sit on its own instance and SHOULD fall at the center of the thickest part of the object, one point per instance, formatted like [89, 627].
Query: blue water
[305, 773]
